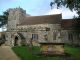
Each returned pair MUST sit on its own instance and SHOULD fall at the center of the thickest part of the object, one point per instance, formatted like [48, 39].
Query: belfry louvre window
[54, 35]
[34, 36]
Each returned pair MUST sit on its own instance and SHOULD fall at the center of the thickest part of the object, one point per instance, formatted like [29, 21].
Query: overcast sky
[36, 7]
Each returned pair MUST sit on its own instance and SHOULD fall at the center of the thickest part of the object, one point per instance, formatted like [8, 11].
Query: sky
[36, 7]
[33, 7]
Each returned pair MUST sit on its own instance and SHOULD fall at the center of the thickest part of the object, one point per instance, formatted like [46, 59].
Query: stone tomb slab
[52, 48]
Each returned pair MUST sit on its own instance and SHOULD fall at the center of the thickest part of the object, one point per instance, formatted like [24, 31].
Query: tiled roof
[51, 19]
[70, 23]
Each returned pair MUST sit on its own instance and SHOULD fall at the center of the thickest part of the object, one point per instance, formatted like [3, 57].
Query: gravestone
[52, 48]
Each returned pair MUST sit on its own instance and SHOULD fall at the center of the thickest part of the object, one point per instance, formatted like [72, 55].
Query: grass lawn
[26, 54]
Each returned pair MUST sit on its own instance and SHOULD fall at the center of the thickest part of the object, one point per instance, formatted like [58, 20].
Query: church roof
[70, 23]
[66, 23]
[51, 19]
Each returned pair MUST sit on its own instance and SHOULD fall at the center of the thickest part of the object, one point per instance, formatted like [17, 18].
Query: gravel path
[7, 54]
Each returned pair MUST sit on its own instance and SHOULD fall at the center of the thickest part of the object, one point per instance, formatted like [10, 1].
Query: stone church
[23, 28]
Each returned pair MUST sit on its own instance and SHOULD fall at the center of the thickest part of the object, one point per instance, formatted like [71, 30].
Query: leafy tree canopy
[4, 18]
[71, 4]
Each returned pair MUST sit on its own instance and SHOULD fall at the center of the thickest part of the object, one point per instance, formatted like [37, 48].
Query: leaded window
[34, 36]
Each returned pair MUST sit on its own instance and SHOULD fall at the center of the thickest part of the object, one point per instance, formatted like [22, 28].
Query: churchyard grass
[26, 53]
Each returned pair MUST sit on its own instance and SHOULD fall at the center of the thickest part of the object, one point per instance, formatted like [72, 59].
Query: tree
[4, 18]
[71, 4]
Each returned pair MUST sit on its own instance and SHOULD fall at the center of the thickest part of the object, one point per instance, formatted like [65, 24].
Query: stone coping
[46, 43]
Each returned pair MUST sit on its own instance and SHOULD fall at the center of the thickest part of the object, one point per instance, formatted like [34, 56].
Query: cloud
[53, 11]
[66, 13]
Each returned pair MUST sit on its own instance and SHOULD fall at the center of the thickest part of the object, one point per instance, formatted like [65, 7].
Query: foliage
[4, 18]
[71, 4]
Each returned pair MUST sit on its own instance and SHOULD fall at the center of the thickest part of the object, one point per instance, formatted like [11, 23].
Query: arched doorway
[16, 41]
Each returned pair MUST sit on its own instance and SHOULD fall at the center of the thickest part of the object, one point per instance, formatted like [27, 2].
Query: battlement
[17, 9]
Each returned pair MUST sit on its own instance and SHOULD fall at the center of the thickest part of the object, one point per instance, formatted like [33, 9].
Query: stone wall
[40, 30]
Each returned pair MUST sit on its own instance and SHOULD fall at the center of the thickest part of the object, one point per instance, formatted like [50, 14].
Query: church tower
[16, 16]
